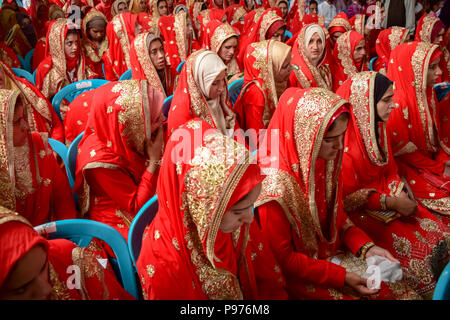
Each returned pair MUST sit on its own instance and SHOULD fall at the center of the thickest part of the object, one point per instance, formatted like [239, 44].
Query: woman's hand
[359, 284]
[378, 251]
[402, 204]
[153, 149]
[447, 169]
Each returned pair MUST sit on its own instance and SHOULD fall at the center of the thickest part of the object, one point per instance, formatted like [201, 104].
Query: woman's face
[28, 280]
[334, 37]
[20, 125]
[122, 7]
[97, 34]
[333, 140]
[386, 104]
[241, 212]
[189, 29]
[228, 49]
[434, 72]
[440, 37]
[284, 9]
[313, 8]
[156, 52]
[71, 45]
[314, 49]
[143, 5]
[360, 51]
[285, 71]
[278, 35]
[218, 86]
[162, 8]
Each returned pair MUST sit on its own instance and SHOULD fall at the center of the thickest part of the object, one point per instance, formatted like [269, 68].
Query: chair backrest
[126, 75]
[287, 34]
[180, 66]
[143, 218]
[27, 61]
[24, 74]
[82, 231]
[234, 89]
[61, 149]
[71, 91]
[442, 89]
[166, 106]
[442, 290]
[34, 76]
[372, 62]
[72, 156]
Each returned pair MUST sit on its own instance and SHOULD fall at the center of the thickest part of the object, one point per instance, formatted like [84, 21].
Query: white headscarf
[311, 30]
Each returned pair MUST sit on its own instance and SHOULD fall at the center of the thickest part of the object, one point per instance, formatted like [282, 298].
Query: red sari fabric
[203, 18]
[106, 7]
[111, 177]
[369, 170]
[184, 254]
[190, 102]
[414, 127]
[427, 30]
[173, 31]
[93, 53]
[17, 238]
[40, 113]
[53, 72]
[143, 68]
[344, 65]
[305, 74]
[32, 182]
[259, 31]
[388, 39]
[8, 56]
[300, 205]
[218, 34]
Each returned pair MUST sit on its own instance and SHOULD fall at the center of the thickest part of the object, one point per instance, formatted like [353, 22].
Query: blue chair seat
[24, 74]
[166, 106]
[71, 91]
[127, 75]
[82, 231]
[180, 66]
[143, 218]
[234, 89]
[442, 290]
[442, 90]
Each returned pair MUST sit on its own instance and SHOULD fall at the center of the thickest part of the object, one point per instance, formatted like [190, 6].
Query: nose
[247, 217]
[438, 71]
[339, 144]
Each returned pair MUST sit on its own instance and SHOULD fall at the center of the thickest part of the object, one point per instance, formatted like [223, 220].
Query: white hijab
[310, 31]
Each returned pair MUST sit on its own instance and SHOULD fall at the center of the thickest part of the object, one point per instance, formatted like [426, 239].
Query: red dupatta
[142, 65]
[8, 56]
[306, 74]
[184, 253]
[121, 33]
[121, 120]
[414, 128]
[41, 115]
[306, 186]
[388, 39]
[344, 65]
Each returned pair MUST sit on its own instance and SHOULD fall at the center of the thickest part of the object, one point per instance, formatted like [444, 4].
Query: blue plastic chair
[142, 219]
[71, 91]
[287, 34]
[180, 66]
[24, 74]
[166, 106]
[442, 290]
[126, 75]
[82, 231]
[34, 76]
[26, 63]
[72, 157]
[234, 89]
[441, 91]
[372, 62]
[61, 149]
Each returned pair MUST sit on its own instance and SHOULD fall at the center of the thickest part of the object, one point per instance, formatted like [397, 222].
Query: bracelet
[155, 162]
[383, 201]
[363, 250]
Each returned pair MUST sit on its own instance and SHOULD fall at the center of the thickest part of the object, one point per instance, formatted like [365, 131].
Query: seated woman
[269, 26]
[65, 62]
[17, 34]
[41, 116]
[349, 58]
[267, 68]
[32, 182]
[121, 31]
[138, 6]
[148, 62]
[320, 250]
[388, 40]
[118, 156]
[176, 31]
[337, 27]
[416, 128]
[309, 57]
[202, 243]
[34, 268]
[202, 93]
[8, 56]
[94, 42]
[223, 40]
[431, 29]
[372, 184]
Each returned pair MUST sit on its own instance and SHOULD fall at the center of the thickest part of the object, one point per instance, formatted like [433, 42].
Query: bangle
[383, 201]
[363, 250]
[155, 162]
